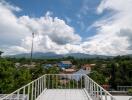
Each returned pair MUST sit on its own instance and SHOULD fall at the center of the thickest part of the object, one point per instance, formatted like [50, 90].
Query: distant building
[65, 64]
[69, 71]
[47, 66]
[87, 67]
[93, 64]
[17, 65]
[29, 65]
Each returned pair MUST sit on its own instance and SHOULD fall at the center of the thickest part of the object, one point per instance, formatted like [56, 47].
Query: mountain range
[50, 55]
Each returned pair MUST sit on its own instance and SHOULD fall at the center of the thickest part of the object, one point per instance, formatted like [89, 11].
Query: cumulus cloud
[111, 37]
[51, 34]
[11, 31]
[114, 31]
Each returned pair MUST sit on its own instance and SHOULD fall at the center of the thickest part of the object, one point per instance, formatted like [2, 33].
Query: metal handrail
[124, 88]
[34, 89]
[27, 92]
[96, 91]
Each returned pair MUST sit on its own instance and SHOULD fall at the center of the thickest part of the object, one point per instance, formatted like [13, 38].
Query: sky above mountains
[101, 27]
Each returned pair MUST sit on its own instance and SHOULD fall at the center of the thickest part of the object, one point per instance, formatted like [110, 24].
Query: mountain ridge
[41, 55]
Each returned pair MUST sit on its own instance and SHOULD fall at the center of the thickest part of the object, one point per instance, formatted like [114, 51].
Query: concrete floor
[72, 94]
[63, 94]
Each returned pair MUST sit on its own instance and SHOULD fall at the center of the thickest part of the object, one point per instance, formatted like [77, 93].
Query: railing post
[85, 82]
[69, 81]
[94, 90]
[77, 80]
[23, 93]
[101, 93]
[32, 91]
[52, 78]
[18, 95]
[56, 81]
[48, 81]
[45, 86]
[88, 84]
[39, 86]
[105, 96]
[81, 81]
[35, 89]
[42, 84]
[28, 91]
[97, 92]
[72, 81]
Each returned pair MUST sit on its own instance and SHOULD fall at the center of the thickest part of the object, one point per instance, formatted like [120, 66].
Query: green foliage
[6, 76]
[129, 91]
[12, 78]
[98, 77]
[22, 77]
[53, 70]
[37, 72]
[117, 71]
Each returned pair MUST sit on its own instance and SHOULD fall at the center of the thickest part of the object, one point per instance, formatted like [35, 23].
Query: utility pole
[32, 47]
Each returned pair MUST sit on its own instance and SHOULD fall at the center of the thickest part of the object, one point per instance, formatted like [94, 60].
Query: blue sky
[80, 14]
[101, 27]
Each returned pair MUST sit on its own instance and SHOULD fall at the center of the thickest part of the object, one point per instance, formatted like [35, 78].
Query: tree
[97, 77]
[22, 77]
[37, 72]
[6, 76]
[1, 53]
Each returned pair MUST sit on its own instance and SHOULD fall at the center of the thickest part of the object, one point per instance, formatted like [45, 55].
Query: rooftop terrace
[61, 87]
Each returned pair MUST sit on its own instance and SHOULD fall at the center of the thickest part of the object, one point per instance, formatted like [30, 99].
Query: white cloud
[113, 36]
[54, 33]
[56, 29]
[11, 31]
[9, 6]
[108, 39]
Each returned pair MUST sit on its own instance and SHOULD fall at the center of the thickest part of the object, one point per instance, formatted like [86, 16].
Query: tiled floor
[63, 94]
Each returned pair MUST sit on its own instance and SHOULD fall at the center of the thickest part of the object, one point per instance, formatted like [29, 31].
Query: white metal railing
[64, 81]
[32, 90]
[123, 88]
[28, 92]
[96, 91]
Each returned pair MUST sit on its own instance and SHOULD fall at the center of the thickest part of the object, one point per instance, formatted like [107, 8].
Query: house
[65, 64]
[46, 66]
[29, 65]
[64, 81]
[93, 64]
[87, 67]
[69, 71]
[17, 64]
